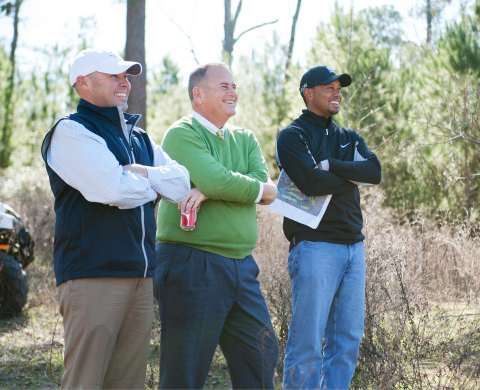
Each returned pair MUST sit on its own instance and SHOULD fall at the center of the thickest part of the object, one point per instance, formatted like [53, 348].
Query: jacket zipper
[142, 212]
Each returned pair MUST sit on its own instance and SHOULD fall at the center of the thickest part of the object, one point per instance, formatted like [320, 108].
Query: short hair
[198, 77]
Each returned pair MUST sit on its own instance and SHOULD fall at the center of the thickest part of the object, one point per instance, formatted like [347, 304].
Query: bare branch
[471, 140]
[387, 139]
[438, 143]
[374, 111]
[333, 54]
[457, 135]
[254, 27]
[237, 13]
[292, 38]
[469, 175]
[192, 49]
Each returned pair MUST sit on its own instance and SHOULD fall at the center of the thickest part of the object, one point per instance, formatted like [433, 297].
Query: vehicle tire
[13, 286]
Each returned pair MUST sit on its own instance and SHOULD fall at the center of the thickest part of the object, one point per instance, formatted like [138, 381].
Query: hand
[269, 193]
[192, 201]
[319, 166]
[137, 168]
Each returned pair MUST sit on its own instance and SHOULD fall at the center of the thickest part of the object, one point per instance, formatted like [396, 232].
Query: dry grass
[271, 255]
[31, 345]
[422, 326]
[422, 319]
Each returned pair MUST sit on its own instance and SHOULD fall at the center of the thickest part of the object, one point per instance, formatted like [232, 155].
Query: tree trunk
[135, 51]
[292, 39]
[5, 144]
[229, 28]
[429, 21]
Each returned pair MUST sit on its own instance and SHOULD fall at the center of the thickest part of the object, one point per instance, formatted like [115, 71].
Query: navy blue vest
[94, 240]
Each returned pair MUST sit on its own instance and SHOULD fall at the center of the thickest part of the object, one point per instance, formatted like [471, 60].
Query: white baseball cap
[93, 60]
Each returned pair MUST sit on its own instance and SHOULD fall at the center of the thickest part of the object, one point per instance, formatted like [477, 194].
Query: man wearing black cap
[326, 264]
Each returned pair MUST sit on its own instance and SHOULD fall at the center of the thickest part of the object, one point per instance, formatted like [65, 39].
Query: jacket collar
[110, 114]
[317, 120]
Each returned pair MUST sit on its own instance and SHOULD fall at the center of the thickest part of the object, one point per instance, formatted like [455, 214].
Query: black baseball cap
[321, 75]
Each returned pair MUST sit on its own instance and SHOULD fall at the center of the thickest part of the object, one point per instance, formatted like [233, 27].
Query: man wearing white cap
[106, 175]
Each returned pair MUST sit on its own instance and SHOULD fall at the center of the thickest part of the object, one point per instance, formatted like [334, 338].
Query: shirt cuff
[325, 165]
[260, 193]
[154, 177]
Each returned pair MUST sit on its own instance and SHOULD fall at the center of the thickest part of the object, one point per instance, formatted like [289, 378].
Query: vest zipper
[126, 149]
[143, 241]
[142, 217]
[142, 212]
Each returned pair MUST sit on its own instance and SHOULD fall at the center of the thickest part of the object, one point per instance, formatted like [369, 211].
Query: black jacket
[92, 239]
[348, 159]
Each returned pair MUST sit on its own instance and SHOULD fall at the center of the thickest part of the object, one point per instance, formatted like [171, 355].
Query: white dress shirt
[82, 159]
[213, 129]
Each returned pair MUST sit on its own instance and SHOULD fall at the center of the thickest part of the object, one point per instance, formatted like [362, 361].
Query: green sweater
[228, 172]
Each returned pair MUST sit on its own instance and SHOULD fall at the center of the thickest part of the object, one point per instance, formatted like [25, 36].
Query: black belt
[315, 237]
[307, 236]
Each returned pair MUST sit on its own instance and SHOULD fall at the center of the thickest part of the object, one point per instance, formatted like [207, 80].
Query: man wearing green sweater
[206, 279]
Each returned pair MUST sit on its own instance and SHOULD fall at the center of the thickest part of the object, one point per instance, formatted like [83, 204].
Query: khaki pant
[107, 322]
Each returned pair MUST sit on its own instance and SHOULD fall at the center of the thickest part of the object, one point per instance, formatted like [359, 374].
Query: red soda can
[188, 221]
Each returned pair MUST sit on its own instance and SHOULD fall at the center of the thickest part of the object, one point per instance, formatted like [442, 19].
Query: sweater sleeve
[364, 170]
[301, 167]
[214, 180]
[257, 167]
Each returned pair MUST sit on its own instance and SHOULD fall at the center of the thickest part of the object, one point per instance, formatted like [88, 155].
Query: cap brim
[135, 69]
[132, 68]
[345, 80]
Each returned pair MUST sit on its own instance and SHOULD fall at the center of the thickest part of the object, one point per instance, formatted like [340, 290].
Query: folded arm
[170, 179]
[302, 169]
[365, 170]
[83, 160]
[269, 193]
[211, 178]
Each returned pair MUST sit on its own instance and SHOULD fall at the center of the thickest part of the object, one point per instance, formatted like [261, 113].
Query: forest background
[414, 101]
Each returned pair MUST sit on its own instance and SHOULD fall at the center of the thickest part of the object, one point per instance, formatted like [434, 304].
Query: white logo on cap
[331, 71]
[303, 87]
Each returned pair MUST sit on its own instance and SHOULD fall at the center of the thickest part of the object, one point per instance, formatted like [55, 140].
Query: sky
[44, 23]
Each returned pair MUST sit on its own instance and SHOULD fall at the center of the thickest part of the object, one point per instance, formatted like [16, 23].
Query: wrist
[260, 192]
[325, 165]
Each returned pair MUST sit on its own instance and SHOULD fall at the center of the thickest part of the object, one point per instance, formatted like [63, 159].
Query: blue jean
[328, 289]
[205, 300]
